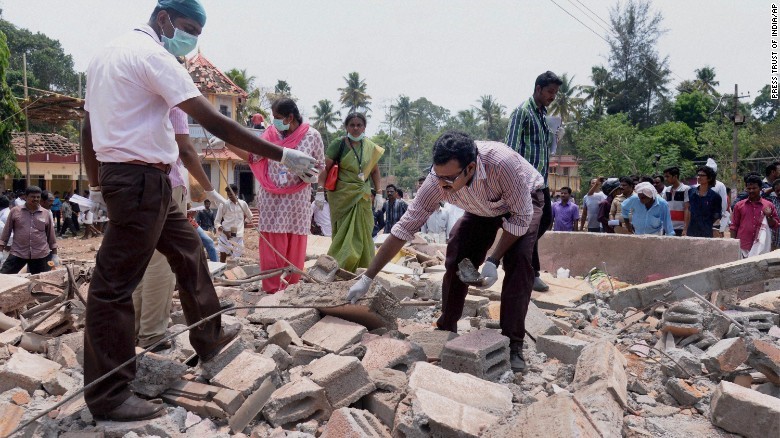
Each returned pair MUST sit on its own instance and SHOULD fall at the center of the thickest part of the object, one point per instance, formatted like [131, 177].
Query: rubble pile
[598, 363]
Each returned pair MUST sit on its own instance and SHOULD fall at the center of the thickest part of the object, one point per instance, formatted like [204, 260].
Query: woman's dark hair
[351, 116]
[4, 202]
[457, 145]
[286, 106]
[710, 174]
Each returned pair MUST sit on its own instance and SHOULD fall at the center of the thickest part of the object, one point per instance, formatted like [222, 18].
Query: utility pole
[738, 119]
[81, 148]
[26, 119]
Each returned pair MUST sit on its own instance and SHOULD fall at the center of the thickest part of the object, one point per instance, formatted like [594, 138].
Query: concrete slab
[26, 371]
[392, 353]
[354, 423]
[556, 416]
[333, 334]
[343, 377]
[564, 348]
[14, 292]
[745, 411]
[246, 373]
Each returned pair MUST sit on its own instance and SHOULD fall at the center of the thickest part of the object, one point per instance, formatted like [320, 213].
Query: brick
[26, 371]
[462, 388]
[246, 373]
[343, 377]
[354, 423]
[564, 348]
[228, 400]
[333, 334]
[725, 356]
[62, 383]
[765, 358]
[400, 289]
[744, 411]
[684, 393]
[254, 405]
[324, 269]
[432, 342]
[482, 353]
[601, 361]
[11, 336]
[304, 355]
[155, 373]
[300, 319]
[223, 358]
[472, 305]
[11, 417]
[192, 390]
[556, 416]
[538, 324]
[278, 355]
[392, 353]
[204, 408]
[297, 402]
[282, 334]
[14, 293]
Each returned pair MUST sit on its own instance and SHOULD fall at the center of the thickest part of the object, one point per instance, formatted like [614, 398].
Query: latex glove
[359, 289]
[55, 259]
[215, 197]
[490, 273]
[311, 176]
[299, 163]
[96, 196]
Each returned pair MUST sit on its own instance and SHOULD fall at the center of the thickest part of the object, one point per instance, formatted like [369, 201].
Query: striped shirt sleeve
[521, 209]
[179, 121]
[515, 129]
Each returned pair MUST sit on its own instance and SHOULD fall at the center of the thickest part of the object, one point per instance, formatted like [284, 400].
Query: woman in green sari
[350, 203]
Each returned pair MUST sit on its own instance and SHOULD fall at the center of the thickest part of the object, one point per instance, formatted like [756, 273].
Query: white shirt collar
[145, 28]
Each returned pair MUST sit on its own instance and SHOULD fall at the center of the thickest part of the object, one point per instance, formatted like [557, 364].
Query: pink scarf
[260, 167]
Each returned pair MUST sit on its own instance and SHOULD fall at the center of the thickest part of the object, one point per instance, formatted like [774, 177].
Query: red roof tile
[44, 143]
[210, 79]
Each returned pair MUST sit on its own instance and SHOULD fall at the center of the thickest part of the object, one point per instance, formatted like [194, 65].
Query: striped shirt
[180, 127]
[393, 212]
[501, 186]
[529, 135]
[676, 198]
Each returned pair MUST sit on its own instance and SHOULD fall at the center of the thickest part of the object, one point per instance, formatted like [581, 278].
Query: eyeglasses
[449, 179]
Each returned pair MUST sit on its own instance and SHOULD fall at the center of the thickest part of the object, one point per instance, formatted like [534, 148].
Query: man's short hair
[547, 78]
[32, 189]
[567, 189]
[749, 175]
[628, 180]
[207, 200]
[234, 188]
[391, 185]
[753, 179]
[771, 168]
[674, 171]
[454, 145]
[45, 195]
[399, 192]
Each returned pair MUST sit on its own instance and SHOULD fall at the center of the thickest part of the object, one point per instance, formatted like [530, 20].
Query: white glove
[215, 197]
[311, 176]
[299, 163]
[490, 274]
[55, 259]
[96, 196]
[3, 256]
[359, 289]
[319, 200]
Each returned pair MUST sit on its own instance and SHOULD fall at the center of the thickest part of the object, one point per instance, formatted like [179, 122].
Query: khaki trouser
[153, 296]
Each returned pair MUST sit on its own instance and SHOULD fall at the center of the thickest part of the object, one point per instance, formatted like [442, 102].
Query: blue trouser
[208, 243]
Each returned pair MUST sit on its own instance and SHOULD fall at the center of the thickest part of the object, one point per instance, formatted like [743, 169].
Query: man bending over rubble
[129, 147]
[497, 188]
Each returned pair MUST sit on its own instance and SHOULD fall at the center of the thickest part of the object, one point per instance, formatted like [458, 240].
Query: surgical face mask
[280, 125]
[358, 138]
[181, 44]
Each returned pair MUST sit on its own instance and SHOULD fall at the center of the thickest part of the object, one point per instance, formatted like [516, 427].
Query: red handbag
[333, 174]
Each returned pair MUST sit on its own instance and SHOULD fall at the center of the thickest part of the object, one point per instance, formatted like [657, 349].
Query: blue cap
[189, 8]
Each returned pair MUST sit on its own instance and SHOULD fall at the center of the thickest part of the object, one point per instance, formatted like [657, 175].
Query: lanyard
[359, 157]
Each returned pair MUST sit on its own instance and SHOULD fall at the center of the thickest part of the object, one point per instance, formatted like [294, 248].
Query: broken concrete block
[253, 406]
[297, 402]
[757, 319]
[383, 405]
[387, 379]
[333, 334]
[744, 411]
[601, 361]
[482, 353]
[14, 293]
[462, 388]
[684, 393]
[343, 377]
[683, 318]
[300, 319]
[11, 336]
[229, 400]
[392, 353]
[690, 364]
[6, 322]
[564, 348]
[12, 416]
[766, 300]
[304, 355]
[424, 413]
[246, 373]
[26, 371]
[603, 407]
[278, 355]
[398, 288]
[765, 358]
[155, 373]
[472, 305]
[432, 342]
[282, 334]
[377, 309]
[223, 358]
[556, 416]
[725, 356]
[74, 341]
[62, 383]
[354, 423]
[324, 270]
[538, 324]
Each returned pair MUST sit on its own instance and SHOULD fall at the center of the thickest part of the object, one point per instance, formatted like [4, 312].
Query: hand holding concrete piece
[359, 289]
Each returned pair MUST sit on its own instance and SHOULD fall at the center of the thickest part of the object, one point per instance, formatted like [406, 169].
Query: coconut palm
[282, 88]
[468, 121]
[401, 113]
[325, 117]
[490, 112]
[354, 96]
[567, 102]
[598, 92]
[252, 105]
[705, 80]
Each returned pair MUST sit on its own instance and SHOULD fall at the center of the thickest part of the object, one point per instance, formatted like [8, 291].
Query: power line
[594, 14]
[591, 18]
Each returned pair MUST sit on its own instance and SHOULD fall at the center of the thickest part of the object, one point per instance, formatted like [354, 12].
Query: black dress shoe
[228, 334]
[167, 345]
[134, 409]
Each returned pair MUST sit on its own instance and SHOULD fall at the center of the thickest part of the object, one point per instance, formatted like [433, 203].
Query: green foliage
[354, 96]
[491, 112]
[252, 104]
[693, 108]
[325, 117]
[716, 140]
[766, 108]
[677, 134]
[9, 114]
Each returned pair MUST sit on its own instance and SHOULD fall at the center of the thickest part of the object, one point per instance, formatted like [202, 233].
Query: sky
[449, 51]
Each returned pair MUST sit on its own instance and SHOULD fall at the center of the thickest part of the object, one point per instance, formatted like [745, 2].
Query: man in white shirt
[321, 213]
[230, 225]
[437, 225]
[129, 146]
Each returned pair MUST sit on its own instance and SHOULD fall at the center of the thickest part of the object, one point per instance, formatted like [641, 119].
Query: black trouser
[544, 224]
[74, 217]
[57, 215]
[143, 218]
[68, 224]
[14, 264]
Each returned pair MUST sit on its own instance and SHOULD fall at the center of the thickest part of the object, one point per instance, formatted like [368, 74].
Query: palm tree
[325, 116]
[469, 122]
[490, 112]
[354, 96]
[252, 105]
[567, 102]
[401, 113]
[282, 88]
[598, 92]
[705, 80]
[686, 86]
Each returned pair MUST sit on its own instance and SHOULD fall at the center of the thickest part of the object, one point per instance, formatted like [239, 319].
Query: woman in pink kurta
[284, 199]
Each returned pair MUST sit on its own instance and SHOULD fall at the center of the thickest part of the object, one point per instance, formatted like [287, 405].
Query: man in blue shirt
[651, 212]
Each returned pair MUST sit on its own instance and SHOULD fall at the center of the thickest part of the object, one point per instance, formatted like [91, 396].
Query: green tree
[466, 121]
[252, 104]
[598, 93]
[10, 116]
[705, 80]
[680, 136]
[325, 117]
[491, 112]
[354, 96]
[716, 141]
[282, 88]
[567, 103]
[401, 113]
[764, 107]
[693, 108]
